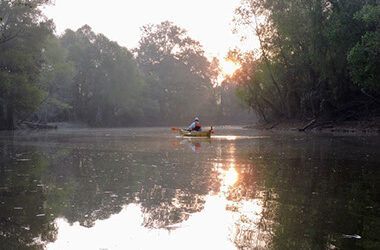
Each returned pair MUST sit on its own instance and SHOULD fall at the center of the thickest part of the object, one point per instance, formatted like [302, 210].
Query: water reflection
[220, 223]
[128, 232]
[194, 143]
[227, 177]
[143, 192]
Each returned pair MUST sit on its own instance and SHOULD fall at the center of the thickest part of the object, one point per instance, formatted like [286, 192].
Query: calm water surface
[148, 189]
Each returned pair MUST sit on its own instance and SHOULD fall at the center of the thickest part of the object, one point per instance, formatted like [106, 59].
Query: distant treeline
[83, 76]
[318, 59]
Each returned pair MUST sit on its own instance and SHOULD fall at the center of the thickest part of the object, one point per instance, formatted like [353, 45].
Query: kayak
[185, 132]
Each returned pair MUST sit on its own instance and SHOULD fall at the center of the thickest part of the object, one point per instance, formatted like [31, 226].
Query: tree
[178, 74]
[23, 32]
[107, 85]
[55, 79]
[364, 57]
[303, 71]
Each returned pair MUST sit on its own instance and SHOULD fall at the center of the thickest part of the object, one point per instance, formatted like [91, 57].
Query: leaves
[22, 38]
[304, 48]
[364, 57]
[178, 73]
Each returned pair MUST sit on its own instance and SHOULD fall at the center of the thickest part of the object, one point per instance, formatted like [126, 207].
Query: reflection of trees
[23, 215]
[312, 194]
[172, 207]
[86, 185]
[252, 227]
[102, 182]
[309, 193]
[172, 193]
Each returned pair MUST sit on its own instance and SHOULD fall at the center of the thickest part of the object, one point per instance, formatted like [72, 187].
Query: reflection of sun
[228, 67]
[228, 178]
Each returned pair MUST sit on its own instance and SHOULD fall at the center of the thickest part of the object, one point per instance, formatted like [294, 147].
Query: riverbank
[322, 127]
[25, 125]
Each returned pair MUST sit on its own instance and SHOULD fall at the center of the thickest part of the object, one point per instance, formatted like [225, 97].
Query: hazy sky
[207, 21]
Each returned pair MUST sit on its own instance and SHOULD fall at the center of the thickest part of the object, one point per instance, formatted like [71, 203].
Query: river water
[147, 188]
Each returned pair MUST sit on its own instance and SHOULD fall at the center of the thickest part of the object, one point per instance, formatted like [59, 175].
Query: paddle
[175, 129]
[212, 130]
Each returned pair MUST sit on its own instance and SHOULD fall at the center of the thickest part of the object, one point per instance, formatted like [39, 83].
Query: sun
[228, 67]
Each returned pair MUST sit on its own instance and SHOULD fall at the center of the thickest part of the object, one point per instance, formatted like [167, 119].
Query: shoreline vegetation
[317, 61]
[83, 76]
[358, 128]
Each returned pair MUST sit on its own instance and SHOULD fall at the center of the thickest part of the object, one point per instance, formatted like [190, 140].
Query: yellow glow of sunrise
[228, 67]
[228, 178]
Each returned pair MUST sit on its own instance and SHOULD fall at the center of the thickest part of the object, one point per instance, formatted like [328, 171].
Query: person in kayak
[195, 126]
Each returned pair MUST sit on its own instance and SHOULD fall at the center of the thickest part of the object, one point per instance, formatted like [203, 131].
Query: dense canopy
[318, 59]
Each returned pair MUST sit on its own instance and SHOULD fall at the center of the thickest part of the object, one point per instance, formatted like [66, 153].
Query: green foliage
[23, 32]
[83, 76]
[302, 71]
[364, 57]
[177, 72]
[107, 87]
[55, 78]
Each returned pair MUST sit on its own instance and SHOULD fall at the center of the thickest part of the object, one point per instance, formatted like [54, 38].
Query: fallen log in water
[307, 125]
[35, 125]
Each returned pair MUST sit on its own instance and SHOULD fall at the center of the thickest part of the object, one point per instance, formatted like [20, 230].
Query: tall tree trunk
[3, 113]
[98, 117]
[275, 83]
[10, 125]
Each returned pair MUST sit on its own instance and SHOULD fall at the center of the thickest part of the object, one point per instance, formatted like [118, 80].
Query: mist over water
[145, 188]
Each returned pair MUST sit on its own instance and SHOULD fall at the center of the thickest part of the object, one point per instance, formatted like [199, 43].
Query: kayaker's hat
[196, 119]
